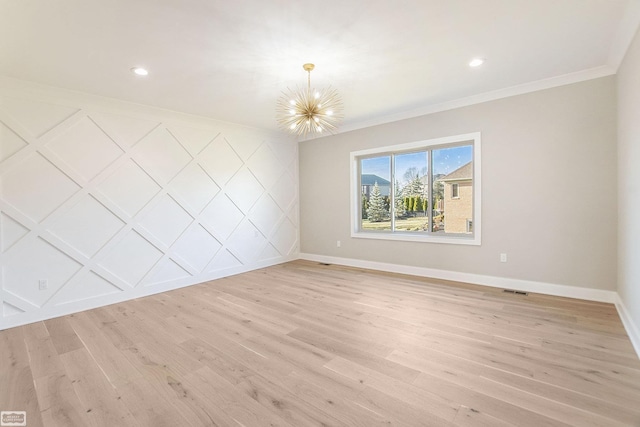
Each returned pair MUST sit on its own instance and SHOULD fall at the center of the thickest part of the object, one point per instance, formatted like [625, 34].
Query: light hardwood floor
[305, 344]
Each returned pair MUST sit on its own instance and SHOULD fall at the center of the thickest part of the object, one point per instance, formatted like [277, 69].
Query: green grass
[418, 223]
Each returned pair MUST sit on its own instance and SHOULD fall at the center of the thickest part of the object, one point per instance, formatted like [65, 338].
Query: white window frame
[455, 190]
[356, 214]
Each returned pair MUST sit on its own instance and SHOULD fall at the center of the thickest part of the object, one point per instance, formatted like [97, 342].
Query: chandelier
[305, 111]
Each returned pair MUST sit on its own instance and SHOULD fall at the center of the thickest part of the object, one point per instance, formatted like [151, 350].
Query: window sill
[414, 237]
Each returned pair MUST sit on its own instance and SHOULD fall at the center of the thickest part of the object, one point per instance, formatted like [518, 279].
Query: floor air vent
[511, 291]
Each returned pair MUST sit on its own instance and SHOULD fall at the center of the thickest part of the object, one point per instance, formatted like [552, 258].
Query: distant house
[458, 200]
[369, 180]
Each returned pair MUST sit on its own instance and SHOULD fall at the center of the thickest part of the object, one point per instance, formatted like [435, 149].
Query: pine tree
[415, 187]
[365, 206]
[376, 211]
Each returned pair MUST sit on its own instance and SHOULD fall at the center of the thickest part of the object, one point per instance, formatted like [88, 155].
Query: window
[421, 191]
[454, 190]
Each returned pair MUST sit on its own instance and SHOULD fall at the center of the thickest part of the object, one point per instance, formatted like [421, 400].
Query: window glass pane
[453, 189]
[411, 190]
[375, 181]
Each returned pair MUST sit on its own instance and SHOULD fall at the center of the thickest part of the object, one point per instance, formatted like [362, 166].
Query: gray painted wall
[629, 182]
[548, 188]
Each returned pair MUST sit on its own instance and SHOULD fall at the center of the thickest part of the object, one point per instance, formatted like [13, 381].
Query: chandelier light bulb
[306, 110]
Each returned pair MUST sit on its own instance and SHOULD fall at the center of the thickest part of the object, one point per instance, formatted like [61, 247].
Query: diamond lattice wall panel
[286, 154]
[224, 260]
[197, 247]
[166, 220]
[194, 140]
[244, 190]
[10, 142]
[293, 215]
[36, 188]
[86, 226]
[38, 261]
[220, 161]
[166, 272]
[12, 231]
[37, 117]
[265, 166]
[195, 187]
[131, 258]
[129, 188]
[161, 156]
[125, 130]
[10, 310]
[246, 242]
[284, 191]
[221, 216]
[86, 148]
[266, 214]
[243, 142]
[107, 201]
[269, 252]
[285, 238]
[85, 285]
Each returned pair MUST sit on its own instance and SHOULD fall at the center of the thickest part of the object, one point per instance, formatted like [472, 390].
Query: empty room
[337, 213]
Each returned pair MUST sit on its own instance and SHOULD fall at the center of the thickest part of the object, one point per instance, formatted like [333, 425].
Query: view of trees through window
[414, 191]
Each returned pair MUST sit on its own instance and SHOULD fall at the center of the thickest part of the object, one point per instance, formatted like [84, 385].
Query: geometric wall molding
[36, 117]
[12, 231]
[11, 142]
[106, 201]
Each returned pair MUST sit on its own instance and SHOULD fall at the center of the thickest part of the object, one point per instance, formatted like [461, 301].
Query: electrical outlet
[503, 257]
[43, 284]
[338, 243]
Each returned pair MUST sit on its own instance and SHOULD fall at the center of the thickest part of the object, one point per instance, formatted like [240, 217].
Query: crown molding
[565, 79]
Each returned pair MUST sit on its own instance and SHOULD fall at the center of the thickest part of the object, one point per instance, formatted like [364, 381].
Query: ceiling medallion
[307, 111]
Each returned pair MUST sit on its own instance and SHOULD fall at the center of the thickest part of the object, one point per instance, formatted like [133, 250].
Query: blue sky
[445, 161]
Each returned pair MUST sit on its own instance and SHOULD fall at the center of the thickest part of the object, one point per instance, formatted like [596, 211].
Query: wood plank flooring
[303, 344]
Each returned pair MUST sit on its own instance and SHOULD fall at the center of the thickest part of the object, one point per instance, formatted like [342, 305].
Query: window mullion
[429, 193]
[392, 193]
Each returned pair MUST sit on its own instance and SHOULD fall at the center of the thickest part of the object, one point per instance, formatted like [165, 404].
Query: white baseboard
[476, 279]
[497, 282]
[629, 326]
[138, 292]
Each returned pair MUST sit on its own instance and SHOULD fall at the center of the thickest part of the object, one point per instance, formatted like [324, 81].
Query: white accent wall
[629, 190]
[103, 201]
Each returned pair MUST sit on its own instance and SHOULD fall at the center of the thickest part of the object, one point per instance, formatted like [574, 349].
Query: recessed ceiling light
[139, 71]
[476, 62]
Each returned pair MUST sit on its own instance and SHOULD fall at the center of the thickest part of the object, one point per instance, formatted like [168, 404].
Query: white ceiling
[230, 60]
